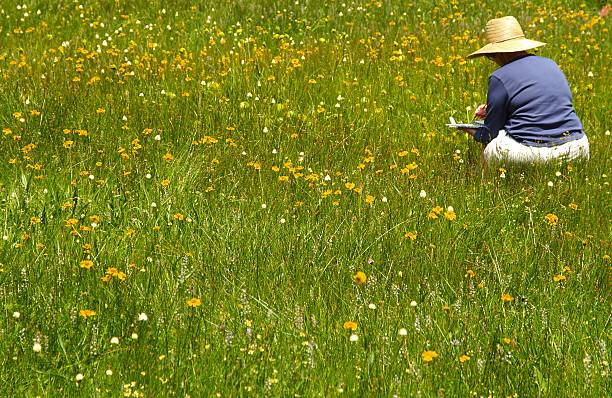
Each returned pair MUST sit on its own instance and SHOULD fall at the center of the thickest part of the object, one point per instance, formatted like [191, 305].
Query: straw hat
[504, 35]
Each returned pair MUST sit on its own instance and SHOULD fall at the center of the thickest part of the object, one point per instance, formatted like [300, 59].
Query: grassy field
[260, 198]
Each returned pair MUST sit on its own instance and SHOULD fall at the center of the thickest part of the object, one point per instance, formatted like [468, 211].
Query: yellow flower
[573, 206]
[410, 235]
[165, 183]
[437, 210]
[552, 219]
[470, 273]
[559, 278]
[194, 302]
[35, 220]
[360, 278]
[349, 185]
[350, 325]
[179, 216]
[401, 154]
[429, 356]
[450, 215]
[87, 264]
[168, 157]
[463, 358]
[87, 313]
[506, 298]
[68, 144]
[369, 199]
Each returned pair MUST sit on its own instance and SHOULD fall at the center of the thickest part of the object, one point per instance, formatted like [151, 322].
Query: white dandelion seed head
[402, 332]
[143, 317]
[423, 194]
[353, 338]
[114, 340]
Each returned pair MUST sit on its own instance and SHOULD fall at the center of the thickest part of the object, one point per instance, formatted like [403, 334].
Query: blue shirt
[530, 99]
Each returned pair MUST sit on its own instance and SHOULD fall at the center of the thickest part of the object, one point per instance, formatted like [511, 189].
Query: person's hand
[481, 111]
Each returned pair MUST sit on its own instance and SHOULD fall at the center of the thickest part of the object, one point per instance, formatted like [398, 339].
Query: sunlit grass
[261, 198]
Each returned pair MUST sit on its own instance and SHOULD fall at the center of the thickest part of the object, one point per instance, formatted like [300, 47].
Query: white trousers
[505, 148]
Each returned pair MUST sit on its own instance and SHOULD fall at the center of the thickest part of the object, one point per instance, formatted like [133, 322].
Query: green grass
[94, 100]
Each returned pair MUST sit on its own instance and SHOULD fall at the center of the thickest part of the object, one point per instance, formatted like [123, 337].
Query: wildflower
[87, 313]
[506, 298]
[109, 372]
[349, 185]
[552, 219]
[168, 157]
[450, 215]
[194, 302]
[470, 273]
[573, 206]
[360, 278]
[413, 303]
[429, 356]
[350, 325]
[423, 194]
[402, 332]
[143, 317]
[369, 199]
[134, 336]
[87, 264]
[16, 314]
[114, 340]
[559, 278]
[37, 347]
[353, 338]
[410, 235]
[372, 306]
[464, 358]
[79, 377]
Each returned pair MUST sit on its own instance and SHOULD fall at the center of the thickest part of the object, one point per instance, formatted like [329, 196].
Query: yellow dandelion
[350, 325]
[87, 313]
[87, 264]
[349, 185]
[360, 278]
[429, 356]
[410, 235]
[552, 219]
[194, 302]
[464, 358]
[506, 298]
[559, 278]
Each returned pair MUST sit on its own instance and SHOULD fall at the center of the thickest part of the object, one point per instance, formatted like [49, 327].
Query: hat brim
[507, 46]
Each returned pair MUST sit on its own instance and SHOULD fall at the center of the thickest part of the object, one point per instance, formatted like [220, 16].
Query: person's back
[539, 104]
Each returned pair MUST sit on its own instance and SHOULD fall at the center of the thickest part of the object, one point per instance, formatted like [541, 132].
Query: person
[529, 116]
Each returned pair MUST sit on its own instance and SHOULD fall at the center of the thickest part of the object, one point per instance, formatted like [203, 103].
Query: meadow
[261, 198]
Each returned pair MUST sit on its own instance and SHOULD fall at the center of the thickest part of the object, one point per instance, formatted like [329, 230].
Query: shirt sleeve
[497, 111]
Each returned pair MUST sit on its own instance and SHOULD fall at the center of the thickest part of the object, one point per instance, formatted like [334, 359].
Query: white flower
[550, 184]
[422, 194]
[353, 338]
[413, 303]
[450, 208]
[134, 336]
[384, 199]
[282, 220]
[402, 332]
[79, 377]
[109, 372]
[265, 130]
[263, 205]
[157, 137]
[37, 347]
[115, 340]
[372, 306]
[143, 317]
[16, 314]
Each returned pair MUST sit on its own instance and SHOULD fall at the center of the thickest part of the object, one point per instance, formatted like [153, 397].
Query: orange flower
[350, 325]
[506, 298]
[360, 278]
[87, 313]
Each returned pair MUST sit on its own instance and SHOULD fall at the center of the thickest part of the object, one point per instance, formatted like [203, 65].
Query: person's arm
[497, 112]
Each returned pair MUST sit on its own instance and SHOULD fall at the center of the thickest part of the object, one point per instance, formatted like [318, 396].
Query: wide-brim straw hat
[505, 35]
